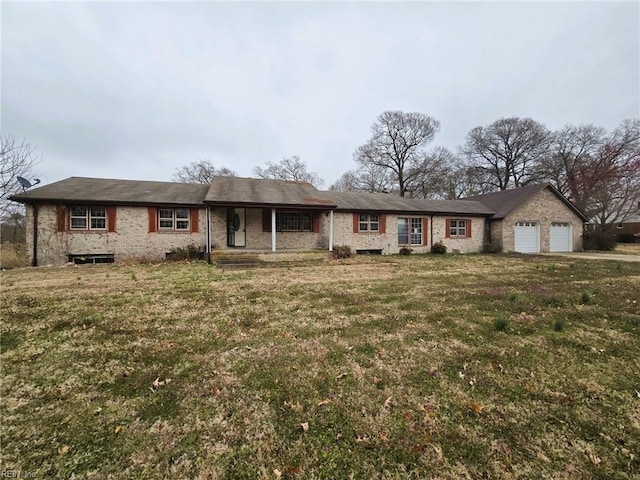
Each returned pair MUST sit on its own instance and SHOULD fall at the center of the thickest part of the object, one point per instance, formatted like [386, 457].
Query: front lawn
[467, 366]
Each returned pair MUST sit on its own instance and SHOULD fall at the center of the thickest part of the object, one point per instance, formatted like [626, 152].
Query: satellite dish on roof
[26, 183]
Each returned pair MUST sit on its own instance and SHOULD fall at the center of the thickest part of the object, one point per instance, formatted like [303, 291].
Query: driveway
[596, 256]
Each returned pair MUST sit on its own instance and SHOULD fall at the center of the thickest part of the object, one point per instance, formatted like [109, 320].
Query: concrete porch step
[236, 261]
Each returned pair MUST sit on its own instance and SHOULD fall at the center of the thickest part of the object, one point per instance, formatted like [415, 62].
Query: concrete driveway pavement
[596, 256]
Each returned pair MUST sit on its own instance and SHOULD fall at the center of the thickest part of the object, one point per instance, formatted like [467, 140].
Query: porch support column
[331, 230]
[273, 229]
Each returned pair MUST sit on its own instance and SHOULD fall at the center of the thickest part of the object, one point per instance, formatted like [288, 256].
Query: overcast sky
[136, 90]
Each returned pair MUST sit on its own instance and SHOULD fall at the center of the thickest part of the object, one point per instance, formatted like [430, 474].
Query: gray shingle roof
[107, 191]
[275, 193]
[266, 192]
[506, 201]
[384, 202]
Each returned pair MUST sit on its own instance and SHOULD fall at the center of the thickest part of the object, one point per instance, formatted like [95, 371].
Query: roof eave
[69, 201]
[298, 206]
[413, 212]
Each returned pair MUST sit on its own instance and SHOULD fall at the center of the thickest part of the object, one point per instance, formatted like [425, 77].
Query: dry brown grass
[628, 248]
[384, 368]
[13, 255]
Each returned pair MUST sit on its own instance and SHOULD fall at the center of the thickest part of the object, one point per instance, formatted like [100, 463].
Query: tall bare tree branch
[397, 144]
[16, 159]
[289, 169]
[508, 150]
[202, 171]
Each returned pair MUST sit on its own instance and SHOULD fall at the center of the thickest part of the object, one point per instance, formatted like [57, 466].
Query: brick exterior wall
[544, 208]
[388, 242]
[131, 240]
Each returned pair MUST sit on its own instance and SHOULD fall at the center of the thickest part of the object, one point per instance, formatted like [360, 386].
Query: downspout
[34, 261]
[331, 230]
[431, 233]
[208, 249]
[273, 229]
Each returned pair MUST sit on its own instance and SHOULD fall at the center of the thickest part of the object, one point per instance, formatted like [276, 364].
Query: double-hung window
[410, 231]
[88, 218]
[457, 228]
[173, 219]
[369, 222]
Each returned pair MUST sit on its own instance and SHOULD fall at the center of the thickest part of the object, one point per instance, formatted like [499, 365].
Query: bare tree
[16, 159]
[202, 171]
[367, 178]
[571, 147]
[431, 174]
[508, 150]
[598, 171]
[289, 169]
[606, 185]
[397, 143]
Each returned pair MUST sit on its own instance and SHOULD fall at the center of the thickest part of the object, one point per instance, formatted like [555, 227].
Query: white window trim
[458, 228]
[174, 220]
[368, 222]
[88, 217]
[410, 231]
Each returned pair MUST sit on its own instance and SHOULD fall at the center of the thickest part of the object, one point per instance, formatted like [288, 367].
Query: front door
[236, 227]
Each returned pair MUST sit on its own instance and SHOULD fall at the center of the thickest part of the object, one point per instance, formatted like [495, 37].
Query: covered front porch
[261, 214]
[269, 230]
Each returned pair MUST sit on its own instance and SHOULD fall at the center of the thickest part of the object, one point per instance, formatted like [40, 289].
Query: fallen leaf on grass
[326, 401]
[157, 384]
[342, 375]
[428, 410]
[296, 407]
[439, 453]
[594, 458]
[63, 449]
[293, 470]
[305, 427]
[277, 473]
[543, 457]
[476, 407]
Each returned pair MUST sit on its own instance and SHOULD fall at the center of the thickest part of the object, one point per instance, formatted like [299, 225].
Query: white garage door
[526, 237]
[560, 237]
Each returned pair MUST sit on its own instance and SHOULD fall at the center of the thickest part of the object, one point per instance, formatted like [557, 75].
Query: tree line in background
[599, 171]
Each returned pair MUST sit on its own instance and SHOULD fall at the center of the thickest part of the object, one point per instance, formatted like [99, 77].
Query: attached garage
[527, 237]
[560, 237]
[533, 219]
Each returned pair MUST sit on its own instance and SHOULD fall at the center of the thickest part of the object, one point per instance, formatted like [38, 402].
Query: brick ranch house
[107, 220]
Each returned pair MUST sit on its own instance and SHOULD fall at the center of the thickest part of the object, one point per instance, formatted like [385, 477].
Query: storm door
[236, 227]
